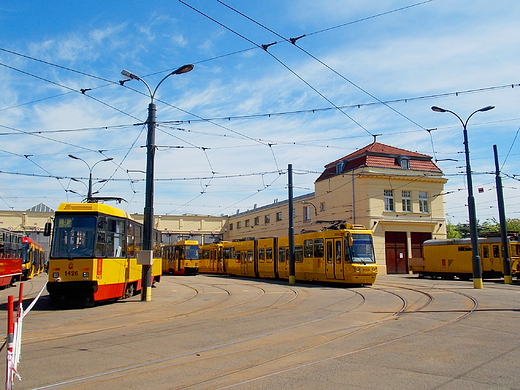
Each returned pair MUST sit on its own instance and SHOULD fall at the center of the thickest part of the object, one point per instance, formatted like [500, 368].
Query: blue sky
[228, 130]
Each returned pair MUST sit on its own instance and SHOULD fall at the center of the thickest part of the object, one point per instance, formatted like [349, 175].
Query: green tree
[513, 225]
[451, 230]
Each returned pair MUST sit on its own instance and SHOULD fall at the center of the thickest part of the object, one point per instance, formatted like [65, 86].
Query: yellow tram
[343, 255]
[94, 253]
[181, 258]
[452, 257]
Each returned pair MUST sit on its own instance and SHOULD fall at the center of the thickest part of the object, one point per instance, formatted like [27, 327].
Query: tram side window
[157, 244]
[464, 249]
[281, 254]
[261, 255]
[496, 251]
[133, 239]
[318, 247]
[298, 254]
[250, 255]
[229, 253]
[130, 240]
[115, 238]
[269, 255]
[485, 251]
[307, 248]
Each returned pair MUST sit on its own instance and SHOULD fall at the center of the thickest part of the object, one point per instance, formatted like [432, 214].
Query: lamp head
[74, 157]
[486, 108]
[130, 75]
[183, 69]
[438, 109]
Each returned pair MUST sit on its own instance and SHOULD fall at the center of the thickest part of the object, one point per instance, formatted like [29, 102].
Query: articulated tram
[343, 255]
[450, 258]
[94, 254]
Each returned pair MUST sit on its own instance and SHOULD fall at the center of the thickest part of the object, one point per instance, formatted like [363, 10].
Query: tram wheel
[130, 290]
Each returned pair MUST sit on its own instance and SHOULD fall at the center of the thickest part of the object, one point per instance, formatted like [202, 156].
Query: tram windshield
[192, 252]
[74, 236]
[362, 249]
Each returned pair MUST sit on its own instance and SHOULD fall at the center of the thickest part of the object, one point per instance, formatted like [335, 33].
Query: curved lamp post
[477, 267]
[89, 193]
[146, 289]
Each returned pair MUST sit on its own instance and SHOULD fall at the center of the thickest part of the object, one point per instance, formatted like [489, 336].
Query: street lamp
[146, 289]
[89, 193]
[477, 267]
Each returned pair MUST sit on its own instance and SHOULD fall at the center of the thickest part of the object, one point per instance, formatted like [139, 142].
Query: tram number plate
[71, 273]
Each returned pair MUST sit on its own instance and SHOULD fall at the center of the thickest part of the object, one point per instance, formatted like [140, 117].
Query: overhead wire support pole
[146, 256]
[292, 259]
[508, 277]
[477, 266]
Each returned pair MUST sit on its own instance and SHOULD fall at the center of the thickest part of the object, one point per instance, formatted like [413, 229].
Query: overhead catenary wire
[279, 61]
[294, 42]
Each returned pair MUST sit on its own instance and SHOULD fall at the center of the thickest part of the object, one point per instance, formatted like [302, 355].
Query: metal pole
[508, 278]
[477, 267]
[292, 260]
[146, 289]
[89, 194]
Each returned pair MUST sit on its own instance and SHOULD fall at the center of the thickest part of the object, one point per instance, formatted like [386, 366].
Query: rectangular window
[318, 247]
[239, 225]
[298, 254]
[246, 224]
[269, 255]
[496, 251]
[279, 216]
[423, 202]
[322, 206]
[267, 219]
[257, 221]
[389, 200]
[306, 214]
[406, 197]
[307, 248]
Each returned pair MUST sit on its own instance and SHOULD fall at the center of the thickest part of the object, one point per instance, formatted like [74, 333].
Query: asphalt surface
[209, 332]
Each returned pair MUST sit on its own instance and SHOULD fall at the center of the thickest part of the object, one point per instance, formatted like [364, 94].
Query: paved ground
[208, 332]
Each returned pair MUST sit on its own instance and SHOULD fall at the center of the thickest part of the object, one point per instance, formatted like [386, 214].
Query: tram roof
[92, 207]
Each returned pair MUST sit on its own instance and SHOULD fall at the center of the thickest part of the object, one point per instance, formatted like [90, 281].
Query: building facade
[394, 192]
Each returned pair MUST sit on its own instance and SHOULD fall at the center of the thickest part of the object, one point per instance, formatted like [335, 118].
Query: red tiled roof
[380, 155]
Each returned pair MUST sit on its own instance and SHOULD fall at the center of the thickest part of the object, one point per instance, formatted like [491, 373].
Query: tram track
[299, 342]
[200, 355]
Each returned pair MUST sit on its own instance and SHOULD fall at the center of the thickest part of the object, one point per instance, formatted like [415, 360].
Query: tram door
[334, 267]
[283, 259]
[243, 262]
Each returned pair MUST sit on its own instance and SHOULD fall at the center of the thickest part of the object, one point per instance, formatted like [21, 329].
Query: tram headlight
[56, 275]
[85, 274]
[357, 269]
